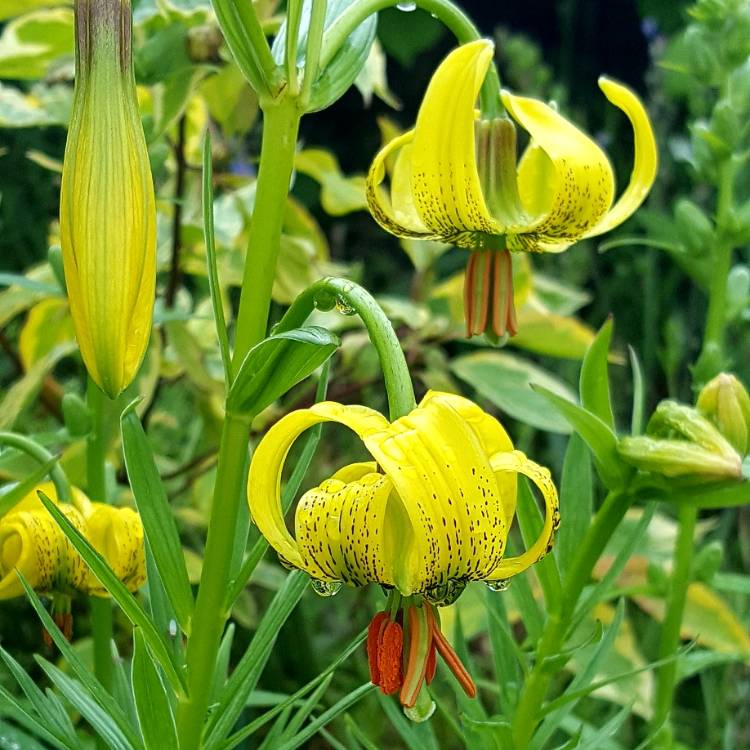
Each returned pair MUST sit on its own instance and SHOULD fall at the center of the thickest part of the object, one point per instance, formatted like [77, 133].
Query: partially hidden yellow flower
[431, 512]
[107, 207]
[455, 179]
[32, 543]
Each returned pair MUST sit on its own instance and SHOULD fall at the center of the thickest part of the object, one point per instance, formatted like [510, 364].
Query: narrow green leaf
[339, 74]
[584, 676]
[576, 501]
[122, 690]
[89, 682]
[11, 498]
[509, 660]
[598, 436]
[119, 593]
[592, 741]
[624, 553]
[415, 736]
[304, 711]
[594, 383]
[221, 670]
[156, 514]
[281, 706]
[327, 716]
[9, 706]
[531, 521]
[247, 672]
[46, 714]
[277, 364]
[151, 702]
[99, 720]
[214, 286]
[528, 607]
[639, 394]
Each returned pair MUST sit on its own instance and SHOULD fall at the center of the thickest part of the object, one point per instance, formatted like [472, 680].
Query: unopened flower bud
[107, 208]
[726, 403]
[678, 458]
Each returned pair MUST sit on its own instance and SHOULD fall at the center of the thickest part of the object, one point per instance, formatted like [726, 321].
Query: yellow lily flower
[32, 542]
[455, 179]
[107, 207]
[429, 514]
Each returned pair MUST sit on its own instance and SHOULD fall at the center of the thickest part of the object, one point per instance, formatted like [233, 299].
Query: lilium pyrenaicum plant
[430, 513]
[455, 179]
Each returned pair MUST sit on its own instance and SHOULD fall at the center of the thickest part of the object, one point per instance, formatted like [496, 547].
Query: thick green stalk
[449, 14]
[281, 123]
[100, 608]
[527, 713]
[670, 630]
[280, 127]
[352, 298]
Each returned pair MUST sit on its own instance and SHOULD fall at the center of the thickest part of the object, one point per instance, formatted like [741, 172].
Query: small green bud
[675, 420]
[76, 415]
[701, 55]
[739, 89]
[725, 402]
[725, 124]
[678, 458]
[694, 227]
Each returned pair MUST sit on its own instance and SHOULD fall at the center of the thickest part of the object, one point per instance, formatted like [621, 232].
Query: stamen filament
[451, 658]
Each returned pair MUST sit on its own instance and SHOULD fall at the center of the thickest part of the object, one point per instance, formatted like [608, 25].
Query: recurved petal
[646, 158]
[264, 479]
[517, 463]
[492, 436]
[395, 210]
[441, 472]
[444, 180]
[341, 530]
[117, 534]
[565, 180]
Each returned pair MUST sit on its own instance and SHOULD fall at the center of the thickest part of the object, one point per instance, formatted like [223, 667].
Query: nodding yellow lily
[455, 179]
[107, 207]
[32, 542]
[430, 513]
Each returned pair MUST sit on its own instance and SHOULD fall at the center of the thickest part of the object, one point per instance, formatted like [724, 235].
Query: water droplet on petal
[501, 585]
[407, 6]
[325, 588]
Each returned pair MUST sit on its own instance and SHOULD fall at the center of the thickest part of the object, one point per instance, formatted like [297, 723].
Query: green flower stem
[351, 297]
[670, 632]
[708, 364]
[281, 123]
[43, 456]
[460, 25]
[293, 18]
[527, 712]
[100, 608]
[280, 128]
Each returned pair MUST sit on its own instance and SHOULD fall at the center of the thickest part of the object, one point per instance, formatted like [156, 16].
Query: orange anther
[390, 651]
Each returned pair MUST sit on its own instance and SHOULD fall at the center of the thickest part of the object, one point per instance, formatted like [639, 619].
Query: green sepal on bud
[726, 403]
[681, 442]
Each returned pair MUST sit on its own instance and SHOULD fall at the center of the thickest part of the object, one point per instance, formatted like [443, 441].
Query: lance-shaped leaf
[119, 592]
[276, 364]
[152, 704]
[594, 384]
[601, 440]
[339, 74]
[156, 515]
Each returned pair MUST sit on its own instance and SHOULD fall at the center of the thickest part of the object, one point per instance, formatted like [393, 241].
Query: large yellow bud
[107, 208]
